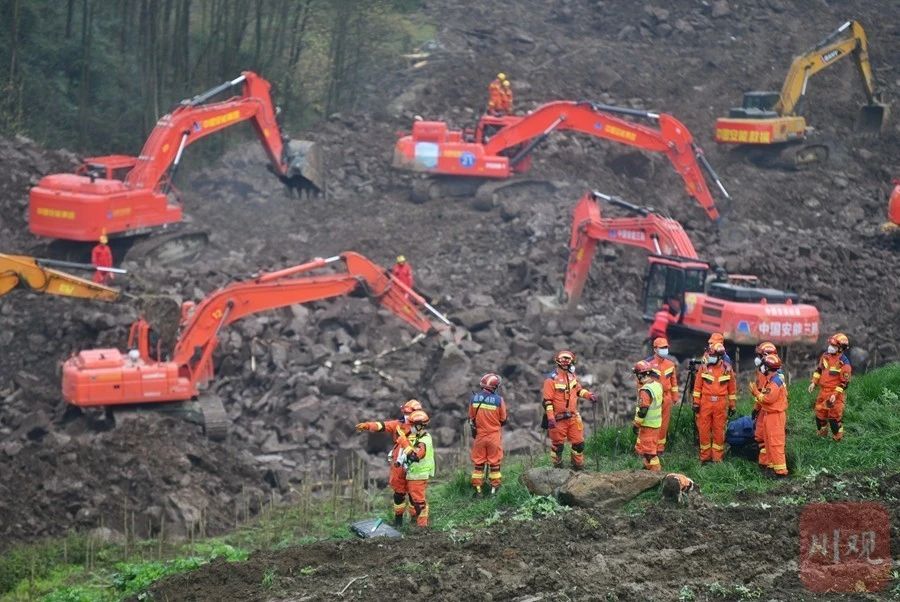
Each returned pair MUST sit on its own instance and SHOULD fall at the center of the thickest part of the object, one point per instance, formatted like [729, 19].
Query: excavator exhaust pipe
[304, 167]
[872, 118]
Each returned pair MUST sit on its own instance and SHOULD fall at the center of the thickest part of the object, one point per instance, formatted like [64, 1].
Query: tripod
[688, 387]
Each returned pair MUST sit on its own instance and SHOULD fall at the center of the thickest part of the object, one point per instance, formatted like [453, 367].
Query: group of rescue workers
[500, 96]
[713, 386]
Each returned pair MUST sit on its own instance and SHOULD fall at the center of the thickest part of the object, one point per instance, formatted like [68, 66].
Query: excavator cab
[109, 167]
[668, 279]
[756, 105]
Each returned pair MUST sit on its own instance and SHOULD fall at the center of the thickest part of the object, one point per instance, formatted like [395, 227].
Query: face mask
[757, 361]
[762, 370]
[712, 359]
[662, 352]
[832, 349]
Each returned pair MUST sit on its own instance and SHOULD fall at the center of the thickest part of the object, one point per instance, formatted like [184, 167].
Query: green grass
[69, 570]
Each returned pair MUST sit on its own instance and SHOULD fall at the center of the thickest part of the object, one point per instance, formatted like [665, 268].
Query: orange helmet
[660, 342]
[716, 337]
[565, 358]
[839, 340]
[772, 362]
[418, 418]
[490, 381]
[642, 368]
[411, 406]
[717, 349]
[765, 348]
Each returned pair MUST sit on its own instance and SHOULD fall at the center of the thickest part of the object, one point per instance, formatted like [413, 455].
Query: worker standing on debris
[399, 429]
[496, 95]
[832, 375]
[665, 371]
[773, 401]
[647, 415]
[715, 398]
[418, 458]
[402, 271]
[660, 325]
[101, 257]
[561, 393]
[487, 415]
[759, 417]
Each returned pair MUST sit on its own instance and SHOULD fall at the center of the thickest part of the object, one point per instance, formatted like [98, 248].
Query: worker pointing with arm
[561, 393]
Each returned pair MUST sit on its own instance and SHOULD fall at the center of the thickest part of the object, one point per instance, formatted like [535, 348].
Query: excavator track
[790, 156]
[215, 419]
[177, 245]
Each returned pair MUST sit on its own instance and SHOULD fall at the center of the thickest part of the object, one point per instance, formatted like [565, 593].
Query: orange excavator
[501, 146]
[40, 276]
[123, 196]
[703, 303]
[893, 223]
[143, 377]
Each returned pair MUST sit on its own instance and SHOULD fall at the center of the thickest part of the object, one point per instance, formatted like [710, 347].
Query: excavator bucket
[304, 162]
[872, 118]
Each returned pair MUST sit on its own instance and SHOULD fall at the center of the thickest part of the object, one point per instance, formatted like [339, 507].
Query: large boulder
[453, 376]
[607, 490]
[544, 480]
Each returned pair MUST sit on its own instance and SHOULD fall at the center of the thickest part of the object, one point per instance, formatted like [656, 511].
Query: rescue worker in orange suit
[832, 376]
[399, 429]
[647, 415]
[101, 257]
[496, 95]
[893, 222]
[418, 460]
[507, 106]
[759, 418]
[561, 394]
[487, 415]
[773, 401]
[402, 271]
[665, 371]
[717, 337]
[715, 397]
[660, 325]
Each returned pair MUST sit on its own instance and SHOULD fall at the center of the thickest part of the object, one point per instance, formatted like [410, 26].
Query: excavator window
[667, 284]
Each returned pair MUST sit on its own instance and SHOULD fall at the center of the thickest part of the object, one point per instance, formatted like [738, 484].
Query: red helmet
[418, 418]
[490, 381]
[660, 342]
[565, 358]
[411, 406]
[772, 363]
[839, 340]
[717, 349]
[642, 367]
[765, 348]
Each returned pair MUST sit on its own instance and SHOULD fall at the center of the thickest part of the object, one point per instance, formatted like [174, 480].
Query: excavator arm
[18, 270]
[670, 137]
[847, 40]
[648, 230]
[195, 119]
[199, 336]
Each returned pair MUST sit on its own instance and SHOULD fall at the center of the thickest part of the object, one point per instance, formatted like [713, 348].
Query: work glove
[753, 390]
[592, 397]
[696, 409]
[810, 388]
[361, 427]
[830, 402]
[731, 412]
[551, 423]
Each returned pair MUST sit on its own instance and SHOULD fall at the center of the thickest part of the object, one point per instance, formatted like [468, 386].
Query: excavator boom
[120, 195]
[103, 377]
[16, 270]
[434, 149]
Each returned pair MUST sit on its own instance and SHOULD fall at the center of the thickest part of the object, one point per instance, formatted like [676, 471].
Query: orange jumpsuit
[647, 434]
[773, 401]
[101, 256]
[894, 204]
[487, 412]
[399, 430]
[507, 100]
[832, 375]
[660, 324]
[715, 392]
[403, 273]
[759, 431]
[666, 373]
[496, 97]
[416, 446]
[561, 393]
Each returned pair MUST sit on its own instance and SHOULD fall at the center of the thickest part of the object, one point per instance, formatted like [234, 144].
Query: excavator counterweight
[678, 278]
[142, 376]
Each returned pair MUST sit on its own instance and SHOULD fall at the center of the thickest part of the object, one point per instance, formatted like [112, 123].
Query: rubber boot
[821, 428]
[837, 430]
[477, 493]
[495, 489]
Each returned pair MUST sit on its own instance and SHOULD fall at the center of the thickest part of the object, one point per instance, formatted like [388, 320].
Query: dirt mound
[289, 379]
[581, 554]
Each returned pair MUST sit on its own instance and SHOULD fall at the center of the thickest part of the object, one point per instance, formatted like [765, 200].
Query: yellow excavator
[37, 275]
[767, 123]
